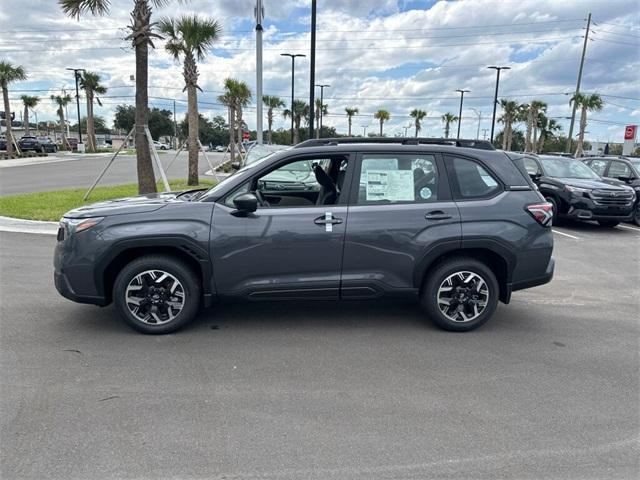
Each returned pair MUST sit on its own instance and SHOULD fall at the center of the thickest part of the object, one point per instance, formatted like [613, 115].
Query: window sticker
[390, 185]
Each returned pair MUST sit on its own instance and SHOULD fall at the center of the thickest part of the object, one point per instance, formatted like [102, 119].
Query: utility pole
[484, 133]
[479, 114]
[575, 105]
[322, 86]
[259, 13]
[312, 71]
[462, 92]
[405, 131]
[76, 74]
[495, 97]
[293, 78]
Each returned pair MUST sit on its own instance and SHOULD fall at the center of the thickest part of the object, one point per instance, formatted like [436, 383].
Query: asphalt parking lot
[549, 388]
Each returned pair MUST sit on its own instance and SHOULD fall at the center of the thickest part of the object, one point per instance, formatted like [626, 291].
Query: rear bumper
[531, 282]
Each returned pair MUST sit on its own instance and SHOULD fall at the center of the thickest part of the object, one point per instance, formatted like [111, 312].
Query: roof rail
[457, 142]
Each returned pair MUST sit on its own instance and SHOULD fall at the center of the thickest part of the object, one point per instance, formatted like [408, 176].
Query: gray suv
[453, 223]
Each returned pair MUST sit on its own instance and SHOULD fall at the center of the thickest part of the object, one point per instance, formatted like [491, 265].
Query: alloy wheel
[155, 297]
[463, 296]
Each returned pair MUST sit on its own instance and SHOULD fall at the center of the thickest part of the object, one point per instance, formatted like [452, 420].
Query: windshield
[567, 168]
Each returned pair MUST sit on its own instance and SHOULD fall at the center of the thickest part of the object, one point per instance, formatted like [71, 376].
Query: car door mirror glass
[246, 203]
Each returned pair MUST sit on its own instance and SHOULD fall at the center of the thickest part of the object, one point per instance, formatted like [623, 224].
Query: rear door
[399, 208]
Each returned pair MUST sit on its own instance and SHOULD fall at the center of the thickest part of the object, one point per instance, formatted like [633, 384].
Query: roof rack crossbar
[458, 142]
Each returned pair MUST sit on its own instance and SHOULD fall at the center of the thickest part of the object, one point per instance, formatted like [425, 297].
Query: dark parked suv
[624, 169]
[577, 192]
[453, 223]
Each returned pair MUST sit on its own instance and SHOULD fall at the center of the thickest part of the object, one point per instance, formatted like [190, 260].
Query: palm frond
[75, 8]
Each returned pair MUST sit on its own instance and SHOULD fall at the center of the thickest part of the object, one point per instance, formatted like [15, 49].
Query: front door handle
[437, 215]
[327, 221]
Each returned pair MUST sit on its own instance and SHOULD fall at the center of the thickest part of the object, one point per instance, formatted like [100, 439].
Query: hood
[594, 184]
[121, 206]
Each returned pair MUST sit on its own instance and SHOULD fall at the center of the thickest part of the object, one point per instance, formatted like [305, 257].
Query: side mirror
[246, 203]
[535, 176]
[625, 179]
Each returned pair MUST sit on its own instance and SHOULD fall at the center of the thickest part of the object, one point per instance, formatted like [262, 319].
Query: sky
[396, 55]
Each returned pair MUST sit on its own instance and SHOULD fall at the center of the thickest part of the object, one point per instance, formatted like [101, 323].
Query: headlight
[77, 225]
[572, 189]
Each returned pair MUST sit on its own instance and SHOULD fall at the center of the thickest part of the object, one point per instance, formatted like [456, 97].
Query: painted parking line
[627, 227]
[565, 234]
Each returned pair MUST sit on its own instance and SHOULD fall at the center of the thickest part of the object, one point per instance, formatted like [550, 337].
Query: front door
[400, 207]
[291, 247]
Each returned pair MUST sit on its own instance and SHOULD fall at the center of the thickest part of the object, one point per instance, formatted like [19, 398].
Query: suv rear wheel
[157, 294]
[460, 294]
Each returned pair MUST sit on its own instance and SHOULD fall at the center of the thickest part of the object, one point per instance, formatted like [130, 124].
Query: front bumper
[66, 290]
[585, 208]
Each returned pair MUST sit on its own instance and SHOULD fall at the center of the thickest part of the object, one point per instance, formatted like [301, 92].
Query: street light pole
[462, 92]
[312, 70]
[293, 78]
[364, 130]
[495, 97]
[259, 11]
[322, 86]
[76, 73]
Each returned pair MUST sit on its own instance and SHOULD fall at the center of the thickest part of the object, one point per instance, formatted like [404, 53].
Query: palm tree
[271, 102]
[418, 116]
[320, 107]
[382, 116]
[448, 118]
[141, 37]
[9, 74]
[28, 102]
[511, 111]
[62, 101]
[351, 111]
[90, 83]
[548, 128]
[236, 95]
[531, 111]
[587, 103]
[299, 112]
[189, 37]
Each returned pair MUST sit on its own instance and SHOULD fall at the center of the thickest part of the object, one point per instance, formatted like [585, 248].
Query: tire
[608, 223]
[554, 207]
[160, 317]
[438, 277]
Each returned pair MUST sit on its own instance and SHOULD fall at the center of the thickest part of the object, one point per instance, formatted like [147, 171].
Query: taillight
[542, 212]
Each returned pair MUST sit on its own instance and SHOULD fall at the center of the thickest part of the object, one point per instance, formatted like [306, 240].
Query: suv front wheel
[157, 294]
[460, 294]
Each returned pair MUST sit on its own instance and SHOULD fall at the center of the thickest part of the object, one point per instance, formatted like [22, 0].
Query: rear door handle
[437, 215]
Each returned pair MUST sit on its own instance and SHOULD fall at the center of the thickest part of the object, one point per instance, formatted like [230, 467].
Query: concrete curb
[18, 225]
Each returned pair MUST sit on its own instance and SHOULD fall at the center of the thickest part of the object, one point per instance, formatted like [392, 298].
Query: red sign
[630, 132]
[245, 135]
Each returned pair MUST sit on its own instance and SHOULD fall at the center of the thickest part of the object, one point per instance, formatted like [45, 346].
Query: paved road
[548, 389]
[81, 171]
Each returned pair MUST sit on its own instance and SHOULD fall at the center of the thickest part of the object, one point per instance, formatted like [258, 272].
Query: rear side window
[619, 169]
[471, 180]
[398, 179]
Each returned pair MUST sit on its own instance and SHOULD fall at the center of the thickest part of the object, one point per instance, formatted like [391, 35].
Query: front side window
[299, 183]
[397, 179]
[598, 166]
[471, 180]
[619, 169]
[531, 166]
